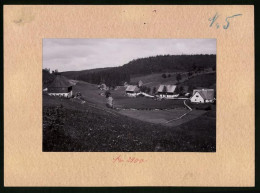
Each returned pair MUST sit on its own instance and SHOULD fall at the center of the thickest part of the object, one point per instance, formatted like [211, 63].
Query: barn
[132, 90]
[202, 96]
[167, 91]
[60, 87]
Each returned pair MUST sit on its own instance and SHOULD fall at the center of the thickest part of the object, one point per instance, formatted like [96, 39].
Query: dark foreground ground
[70, 126]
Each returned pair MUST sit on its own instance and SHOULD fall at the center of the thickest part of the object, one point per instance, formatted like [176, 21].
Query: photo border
[133, 189]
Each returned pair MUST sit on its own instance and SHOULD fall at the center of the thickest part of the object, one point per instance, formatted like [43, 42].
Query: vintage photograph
[129, 95]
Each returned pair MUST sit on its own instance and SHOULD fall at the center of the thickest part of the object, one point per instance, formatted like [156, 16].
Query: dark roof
[169, 88]
[60, 82]
[206, 94]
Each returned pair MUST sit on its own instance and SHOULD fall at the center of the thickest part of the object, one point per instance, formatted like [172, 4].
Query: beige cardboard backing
[26, 165]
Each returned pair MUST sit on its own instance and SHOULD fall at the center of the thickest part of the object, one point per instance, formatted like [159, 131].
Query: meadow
[70, 126]
[146, 103]
[155, 79]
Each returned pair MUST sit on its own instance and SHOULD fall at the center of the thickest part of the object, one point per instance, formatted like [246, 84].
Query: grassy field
[154, 80]
[164, 116]
[156, 77]
[146, 103]
[203, 80]
[70, 126]
[90, 92]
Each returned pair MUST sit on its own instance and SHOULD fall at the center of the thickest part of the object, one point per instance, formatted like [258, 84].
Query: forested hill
[169, 63]
[143, 66]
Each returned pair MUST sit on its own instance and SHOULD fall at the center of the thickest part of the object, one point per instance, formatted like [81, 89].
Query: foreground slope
[71, 126]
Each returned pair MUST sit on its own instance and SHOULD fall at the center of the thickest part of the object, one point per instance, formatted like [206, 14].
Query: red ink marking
[141, 160]
[130, 159]
[118, 159]
[135, 160]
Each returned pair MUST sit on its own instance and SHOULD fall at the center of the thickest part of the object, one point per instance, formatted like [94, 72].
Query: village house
[167, 91]
[132, 90]
[202, 96]
[60, 87]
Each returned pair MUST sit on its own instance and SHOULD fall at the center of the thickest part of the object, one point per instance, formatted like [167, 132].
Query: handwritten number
[216, 16]
[213, 19]
[227, 25]
[134, 160]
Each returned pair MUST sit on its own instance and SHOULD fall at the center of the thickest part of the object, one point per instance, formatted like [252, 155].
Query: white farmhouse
[202, 96]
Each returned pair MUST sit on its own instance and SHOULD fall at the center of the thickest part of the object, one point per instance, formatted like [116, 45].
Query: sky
[83, 54]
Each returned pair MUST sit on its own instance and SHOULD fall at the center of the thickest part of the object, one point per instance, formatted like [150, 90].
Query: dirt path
[190, 109]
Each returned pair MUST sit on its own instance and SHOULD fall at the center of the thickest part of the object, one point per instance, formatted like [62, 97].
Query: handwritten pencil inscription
[120, 159]
[214, 21]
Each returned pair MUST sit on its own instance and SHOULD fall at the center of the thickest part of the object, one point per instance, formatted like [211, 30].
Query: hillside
[202, 80]
[144, 66]
[169, 63]
[76, 74]
[70, 126]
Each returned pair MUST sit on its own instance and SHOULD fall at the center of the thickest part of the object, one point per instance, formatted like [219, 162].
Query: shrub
[164, 75]
[107, 93]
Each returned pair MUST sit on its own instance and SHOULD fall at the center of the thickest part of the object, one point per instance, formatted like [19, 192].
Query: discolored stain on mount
[25, 15]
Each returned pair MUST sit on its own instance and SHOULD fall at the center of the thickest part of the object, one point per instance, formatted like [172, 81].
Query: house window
[197, 95]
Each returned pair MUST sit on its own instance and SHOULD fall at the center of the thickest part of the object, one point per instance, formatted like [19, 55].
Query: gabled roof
[169, 88]
[131, 88]
[206, 94]
[60, 82]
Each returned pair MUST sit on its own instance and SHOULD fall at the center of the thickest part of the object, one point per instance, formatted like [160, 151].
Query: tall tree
[148, 90]
[164, 75]
[164, 91]
[181, 90]
[154, 90]
[178, 77]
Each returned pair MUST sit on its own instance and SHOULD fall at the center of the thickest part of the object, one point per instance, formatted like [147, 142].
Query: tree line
[111, 77]
[143, 66]
[167, 63]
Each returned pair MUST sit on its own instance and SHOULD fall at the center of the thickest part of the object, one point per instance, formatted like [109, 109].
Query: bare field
[146, 103]
[163, 116]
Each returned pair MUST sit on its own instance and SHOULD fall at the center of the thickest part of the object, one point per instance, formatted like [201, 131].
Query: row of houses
[62, 87]
[164, 91]
[170, 92]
